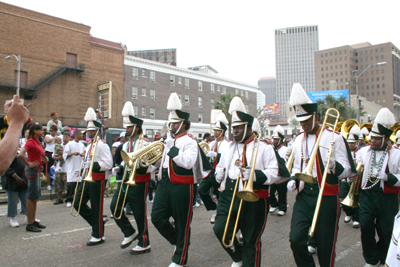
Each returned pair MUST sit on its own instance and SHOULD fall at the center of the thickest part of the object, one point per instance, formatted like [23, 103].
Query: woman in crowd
[16, 185]
[32, 172]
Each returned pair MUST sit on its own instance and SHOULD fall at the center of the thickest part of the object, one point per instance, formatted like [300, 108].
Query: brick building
[148, 85]
[63, 68]
[380, 84]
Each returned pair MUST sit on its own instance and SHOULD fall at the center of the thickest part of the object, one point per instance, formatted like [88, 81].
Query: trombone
[246, 194]
[131, 181]
[88, 177]
[307, 176]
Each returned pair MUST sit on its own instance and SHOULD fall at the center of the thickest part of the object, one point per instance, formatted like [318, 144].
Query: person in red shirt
[32, 171]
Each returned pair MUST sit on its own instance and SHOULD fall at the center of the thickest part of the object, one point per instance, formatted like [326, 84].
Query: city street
[63, 242]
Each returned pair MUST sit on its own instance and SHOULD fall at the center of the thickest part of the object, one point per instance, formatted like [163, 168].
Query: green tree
[346, 112]
[294, 123]
[223, 102]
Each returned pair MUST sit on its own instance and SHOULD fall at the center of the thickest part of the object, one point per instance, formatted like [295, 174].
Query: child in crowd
[58, 150]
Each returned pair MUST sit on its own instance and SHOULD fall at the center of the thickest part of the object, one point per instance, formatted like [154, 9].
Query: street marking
[77, 245]
[69, 231]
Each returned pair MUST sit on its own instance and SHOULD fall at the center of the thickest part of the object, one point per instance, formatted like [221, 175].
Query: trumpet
[354, 188]
[149, 154]
[307, 176]
[88, 177]
[246, 194]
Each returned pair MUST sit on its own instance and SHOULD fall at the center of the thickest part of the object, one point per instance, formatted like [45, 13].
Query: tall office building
[268, 86]
[294, 57]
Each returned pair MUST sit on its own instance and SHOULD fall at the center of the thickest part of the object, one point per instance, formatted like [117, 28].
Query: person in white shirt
[49, 140]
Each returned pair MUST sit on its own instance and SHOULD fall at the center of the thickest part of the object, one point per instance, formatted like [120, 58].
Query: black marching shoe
[32, 228]
[39, 225]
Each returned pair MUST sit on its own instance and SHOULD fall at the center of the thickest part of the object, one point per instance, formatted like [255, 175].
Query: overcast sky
[235, 37]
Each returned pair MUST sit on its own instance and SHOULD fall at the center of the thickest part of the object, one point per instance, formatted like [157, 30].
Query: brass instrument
[88, 177]
[346, 126]
[247, 192]
[395, 127]
[290, 161]
[367, 125]
[306, 176]
[338, 126]
[149, 154]
[205, 147]
[354, 188]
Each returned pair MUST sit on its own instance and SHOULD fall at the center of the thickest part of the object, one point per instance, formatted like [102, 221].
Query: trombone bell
[248, 195]
[306, 178]
[89, 179]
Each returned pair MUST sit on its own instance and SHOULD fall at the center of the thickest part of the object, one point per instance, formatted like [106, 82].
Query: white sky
[235, 37]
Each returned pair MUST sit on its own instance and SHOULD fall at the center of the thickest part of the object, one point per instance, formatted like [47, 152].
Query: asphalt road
[63, 242]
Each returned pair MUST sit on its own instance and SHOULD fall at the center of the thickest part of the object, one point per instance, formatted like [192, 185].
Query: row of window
[345, 51]
[373, 87]
[366, 51]
[152, 93]
[366, 59]
[336, 52]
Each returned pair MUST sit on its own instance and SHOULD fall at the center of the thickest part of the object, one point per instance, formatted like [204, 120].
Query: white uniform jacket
[304, 143]
[282, 153]
[266, 162]
[103, 157]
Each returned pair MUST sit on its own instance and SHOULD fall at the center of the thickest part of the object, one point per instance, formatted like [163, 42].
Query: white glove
[246, 173]
[288, 152]
[291, 185]
[115, 170]
[220, 175]
[382, 176]
[170, 142]
[87, 164]
[332, 164]
[212, 154]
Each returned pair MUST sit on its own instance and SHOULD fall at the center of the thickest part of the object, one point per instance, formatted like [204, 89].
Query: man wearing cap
[182, 164]
[340, 166]
[379, 189]
[217, 146]
[99, 163]
[136, 196]
[234, 169]
[280, 186]
[344, 187]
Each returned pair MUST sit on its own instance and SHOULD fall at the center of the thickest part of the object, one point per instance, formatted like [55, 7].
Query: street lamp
[18, 58]
[356, 77]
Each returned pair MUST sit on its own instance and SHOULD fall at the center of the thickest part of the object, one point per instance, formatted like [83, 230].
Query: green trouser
[326, 229]
[93, 214]
[205, 191]
[174, 200]
[377, 212]
[281, 202]
[136, 197]
[252, 222]
[344, 188]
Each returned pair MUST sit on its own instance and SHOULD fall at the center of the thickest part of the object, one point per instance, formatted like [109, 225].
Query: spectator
[55, 121]
[58, 148]
[49, 150]
[15, 183]
[73, 153]
[23, 141]
[207, 137]
[17, 115]
[60, 180]
[32, 171]
[120, 140]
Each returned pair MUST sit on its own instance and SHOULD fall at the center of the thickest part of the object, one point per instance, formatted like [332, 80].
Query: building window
[143, 72]
[246, 95]
[72, 60]
[134, 92]
[200, 85]
[200, 101]
[152, 94]
[180, 97]
[236, 91]
[180, 80]
[186, 83]
[200, 117]
[241, 93]
[135, 73]
[383, 92]
[247, 108]
[218, 88]
[377, 93]
[143, 111]
[104, 99]
[135, 111]
[223, 90]
[212, 103]
[152, 76]
[187, 100]
[143, 91]
[171, 79]
[212, 88]
[152, 113]
[383, 86]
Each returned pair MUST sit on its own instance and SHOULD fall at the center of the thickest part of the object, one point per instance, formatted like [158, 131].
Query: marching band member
[234, 165]
[136, 195]
[379, 189]
[344, 186]
[364, 135]
[93, 191]
[393, 255]
[216, 148]
[341, 166]
[181, 167]
[281, 185]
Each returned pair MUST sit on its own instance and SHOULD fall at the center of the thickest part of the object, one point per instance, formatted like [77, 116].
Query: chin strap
[313, 121]
[244, 133]
[383, 142]
[133, 131]
[180, 126]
